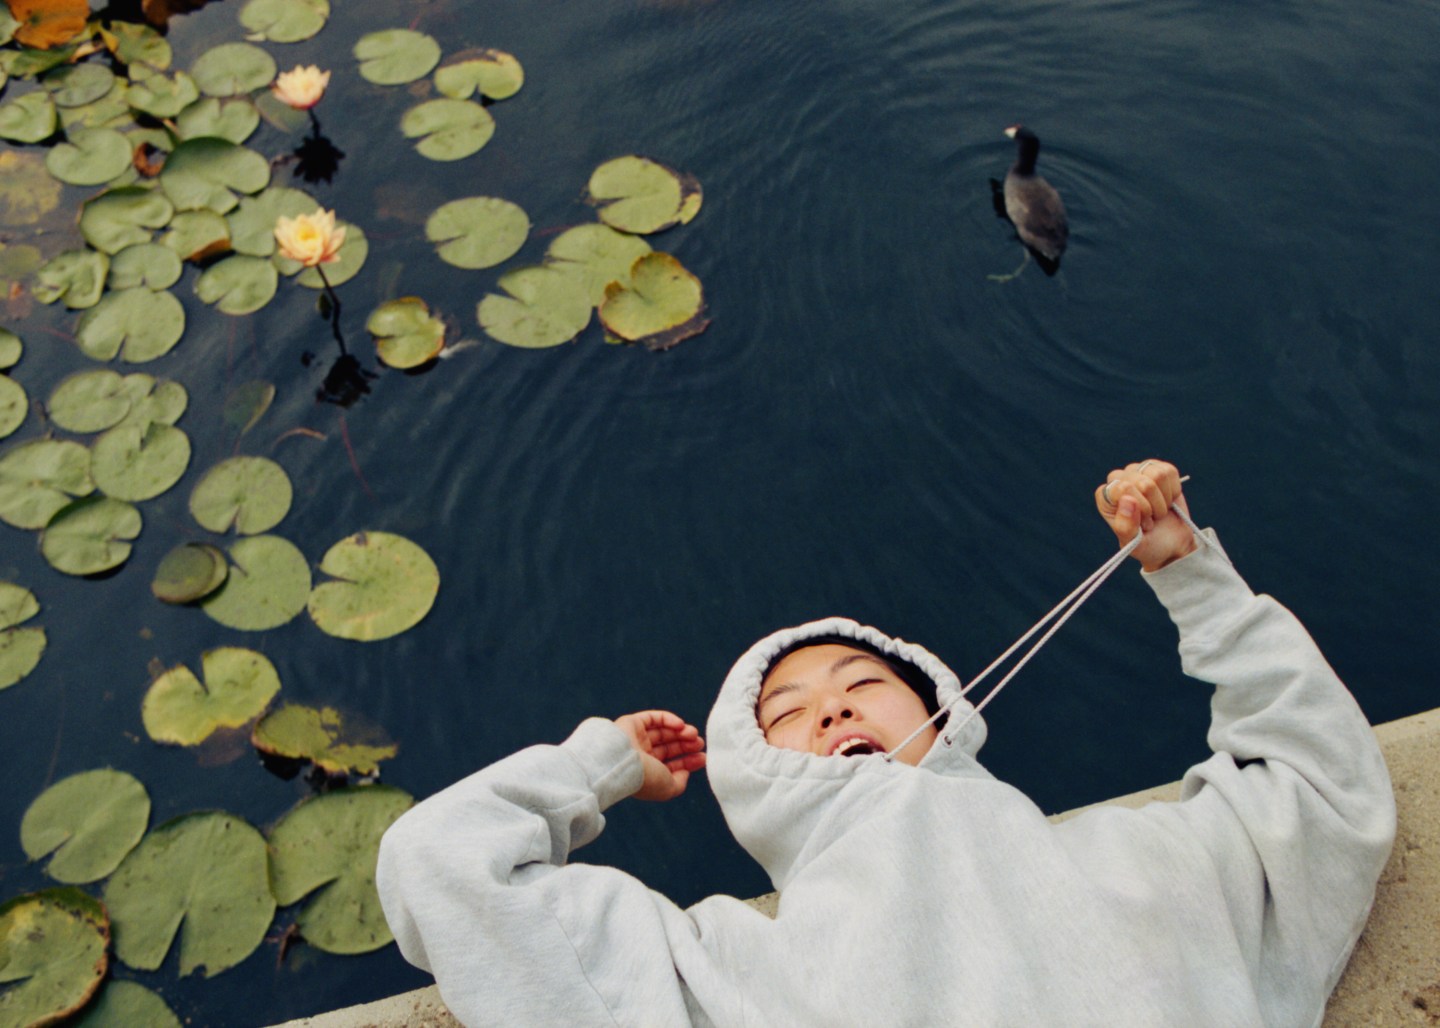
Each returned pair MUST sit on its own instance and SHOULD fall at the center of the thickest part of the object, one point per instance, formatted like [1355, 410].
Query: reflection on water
[870, 426]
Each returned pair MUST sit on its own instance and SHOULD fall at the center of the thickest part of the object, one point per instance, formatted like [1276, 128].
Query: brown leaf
[159, 12]
[45, 24]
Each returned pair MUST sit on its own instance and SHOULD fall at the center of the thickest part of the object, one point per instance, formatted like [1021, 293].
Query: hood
[774, 799]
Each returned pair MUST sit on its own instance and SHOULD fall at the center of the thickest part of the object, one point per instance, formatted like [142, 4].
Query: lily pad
[29, 118]
[636, 194]
[29, 62]
[545, 307]
[160, 95]
[53, 943]
[197, 235]
[598, 254]
[137, 325]
[75, 276]
[89, 401]
[89, 157]
[284, 21]
[207, 173]
[239, 284]
[10, 349]
[86, 824]
[90, 535]
[45, 24]
[27, 192]
[40, 477]
[136, 44]
[447, 129]
[406, 334]
[305, 733]
[137, 462]
[234, 119]
[111, 111]
[331, 843]
[269, 584]
[124, 217]
[239, 685]
[662, 305]
[492, 73]
[153, 400]
[384, 585]
[252, 223]
[478, 232]
[348, 262]
[124, 1002]
[249, 494]
[20, 648]
[231, 69]
[396, 56]
[189, 572]
[152, 265]
[74, 85]
[14, 405]
[203, 876]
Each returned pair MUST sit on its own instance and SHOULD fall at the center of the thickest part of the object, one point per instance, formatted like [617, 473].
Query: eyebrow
[838, 665]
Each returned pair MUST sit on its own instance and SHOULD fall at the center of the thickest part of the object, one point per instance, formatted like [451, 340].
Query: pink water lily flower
[301, 87]
[310, 239]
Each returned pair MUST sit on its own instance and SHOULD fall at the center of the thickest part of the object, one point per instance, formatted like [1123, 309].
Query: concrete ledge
[1394, 974]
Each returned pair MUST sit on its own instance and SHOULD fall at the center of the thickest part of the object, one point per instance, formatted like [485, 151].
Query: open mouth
[856, 747]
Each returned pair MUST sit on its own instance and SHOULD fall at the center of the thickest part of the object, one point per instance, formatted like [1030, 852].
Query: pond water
[870, 426]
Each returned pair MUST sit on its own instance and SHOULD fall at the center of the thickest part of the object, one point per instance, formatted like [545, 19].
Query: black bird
[1032, 204]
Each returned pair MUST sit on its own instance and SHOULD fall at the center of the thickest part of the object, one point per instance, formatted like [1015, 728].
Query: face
[834, 700]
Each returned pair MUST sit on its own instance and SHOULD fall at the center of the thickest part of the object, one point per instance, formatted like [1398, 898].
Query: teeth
[850, 745]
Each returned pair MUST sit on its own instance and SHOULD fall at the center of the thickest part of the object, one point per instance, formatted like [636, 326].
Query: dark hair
[920, 683]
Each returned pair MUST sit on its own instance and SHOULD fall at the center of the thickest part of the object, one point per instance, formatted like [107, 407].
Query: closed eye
[784, 716]
[863, 682]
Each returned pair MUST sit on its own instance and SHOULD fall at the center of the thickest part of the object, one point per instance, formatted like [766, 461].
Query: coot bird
[1031, 203]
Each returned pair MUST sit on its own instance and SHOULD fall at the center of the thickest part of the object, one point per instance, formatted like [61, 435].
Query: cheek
[789, 736]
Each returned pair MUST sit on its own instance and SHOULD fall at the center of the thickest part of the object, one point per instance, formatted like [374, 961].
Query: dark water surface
[870, 426]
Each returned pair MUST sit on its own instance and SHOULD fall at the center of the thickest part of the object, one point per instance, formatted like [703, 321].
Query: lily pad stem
[334, 310]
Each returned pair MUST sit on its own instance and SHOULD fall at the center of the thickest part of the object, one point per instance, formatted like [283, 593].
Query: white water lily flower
[301, 87]
[310, 239]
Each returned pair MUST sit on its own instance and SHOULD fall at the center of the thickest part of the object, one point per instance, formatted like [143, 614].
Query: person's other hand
[669, 750]
[1140, 495]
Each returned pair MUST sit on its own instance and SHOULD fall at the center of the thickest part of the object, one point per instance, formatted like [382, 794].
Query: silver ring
[1144, 465]
[1105, 493]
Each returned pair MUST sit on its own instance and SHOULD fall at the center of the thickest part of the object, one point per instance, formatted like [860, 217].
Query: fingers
[662, 734]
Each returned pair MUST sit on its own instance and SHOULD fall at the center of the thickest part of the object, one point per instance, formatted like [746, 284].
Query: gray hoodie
[929, 895]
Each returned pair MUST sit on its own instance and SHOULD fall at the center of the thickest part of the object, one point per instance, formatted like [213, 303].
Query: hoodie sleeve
[475, 886]
[1295, 807]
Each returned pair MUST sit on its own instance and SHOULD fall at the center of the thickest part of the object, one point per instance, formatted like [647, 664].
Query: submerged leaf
[384, 585]
[406, 334]
[304, 733]
[86, 824]
[239, 685]
[27, 191]
[268, 585]
[662, 305]
[136, 324]
[447, 129]
[478, 231]
[546, 307]
[396, 56]
[90, 535]
[331, 842]
[249, 494]
[247, 404]
[38, 478]
[189, 572]
[231, 69]
[53, 944]
[20, 648]
[204, 876]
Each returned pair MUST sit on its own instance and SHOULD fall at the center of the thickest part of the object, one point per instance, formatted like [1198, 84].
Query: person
[914, 887]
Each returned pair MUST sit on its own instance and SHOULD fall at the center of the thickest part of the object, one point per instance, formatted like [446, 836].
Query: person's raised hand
[669, 750]
[1140, 495]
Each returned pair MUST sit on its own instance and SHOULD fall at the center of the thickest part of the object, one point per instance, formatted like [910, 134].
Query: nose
[833, 710]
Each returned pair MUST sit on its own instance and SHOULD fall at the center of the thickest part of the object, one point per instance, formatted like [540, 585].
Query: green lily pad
[124, 1002]
[203, 876]
[40, 477]
[53, 943]
[20, 648]
[252, 223]
[90, 535]
[239, 284]
[331, 843]
[545, 307]
[448, 130]
[384, 585]
[189, 572]
[137, 462]
[234, 119]
[137, 44]
[10, 349]
[89, 157]
[124, 217]
[152, 265]
[239, 685]
[207, 173]
[478, 232]
[89, 401]
[197, 235]
[74, 85]
[406, 334]
[349, 260]
[28, 62]
[137, 325]
[295, 732]
[152, 400]
[86, 824]
[29, 118]
[396, 56]
[75, 276]
[231, 69]
[247, 404]
[160, 95]
[14, 405]
[249, 494]
[284, 21]
[598, 254]
[636, 194]
[492, 73]
[662, 305]
[111, 111]
[269, 584]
